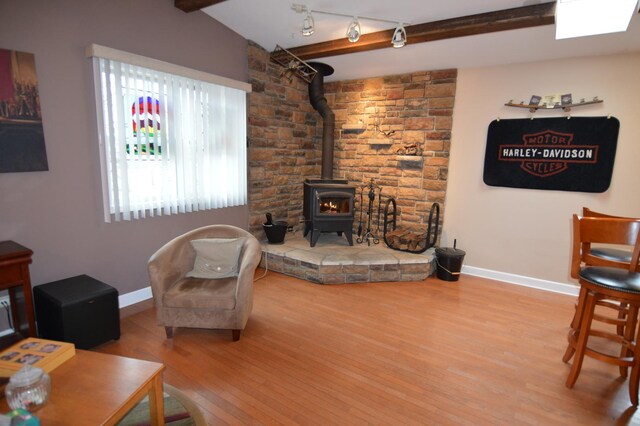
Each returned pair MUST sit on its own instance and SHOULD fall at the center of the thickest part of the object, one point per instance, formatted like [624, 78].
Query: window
[172, 140]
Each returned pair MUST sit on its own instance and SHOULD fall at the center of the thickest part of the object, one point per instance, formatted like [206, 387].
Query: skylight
[578, 18]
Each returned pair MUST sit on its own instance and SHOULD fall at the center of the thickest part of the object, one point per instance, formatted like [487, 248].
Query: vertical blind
[168, 143]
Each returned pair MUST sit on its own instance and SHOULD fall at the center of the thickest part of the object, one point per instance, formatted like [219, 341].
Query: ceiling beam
[193, 5]
[482, 23]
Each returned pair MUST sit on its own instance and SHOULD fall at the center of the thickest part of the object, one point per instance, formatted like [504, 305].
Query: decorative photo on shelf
[535, 100]
[551, 101]
[566, 99]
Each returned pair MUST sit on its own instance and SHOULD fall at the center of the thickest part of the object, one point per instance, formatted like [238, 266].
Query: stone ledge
[333, 261]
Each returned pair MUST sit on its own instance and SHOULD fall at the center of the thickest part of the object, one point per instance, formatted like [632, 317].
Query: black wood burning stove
[328, 203]
[328, 207]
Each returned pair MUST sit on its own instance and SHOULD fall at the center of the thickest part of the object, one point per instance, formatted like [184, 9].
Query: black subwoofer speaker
[79, 310]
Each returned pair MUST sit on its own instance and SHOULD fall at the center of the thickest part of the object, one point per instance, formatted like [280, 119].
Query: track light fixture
[308, 25]
[399, 38]
[354, 32]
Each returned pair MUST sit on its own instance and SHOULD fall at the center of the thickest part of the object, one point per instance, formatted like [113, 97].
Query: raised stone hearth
[333, 261]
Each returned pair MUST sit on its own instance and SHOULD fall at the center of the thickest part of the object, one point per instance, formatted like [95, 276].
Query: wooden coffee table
[99, 389]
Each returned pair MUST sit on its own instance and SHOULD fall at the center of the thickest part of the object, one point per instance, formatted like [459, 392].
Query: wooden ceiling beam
[193, 5]
[482, 23]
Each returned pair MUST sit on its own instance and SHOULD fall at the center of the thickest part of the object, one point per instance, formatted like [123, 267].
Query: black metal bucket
[275, 232]
[449, 262]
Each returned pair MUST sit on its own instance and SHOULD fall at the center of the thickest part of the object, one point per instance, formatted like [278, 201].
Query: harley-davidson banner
[566, 154]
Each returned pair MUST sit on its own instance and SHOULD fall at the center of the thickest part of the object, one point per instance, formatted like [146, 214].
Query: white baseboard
[556, 287]
[134, 297]
[563, 288]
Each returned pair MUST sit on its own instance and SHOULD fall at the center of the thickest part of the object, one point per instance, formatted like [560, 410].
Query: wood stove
[328, 207]
[328, 203]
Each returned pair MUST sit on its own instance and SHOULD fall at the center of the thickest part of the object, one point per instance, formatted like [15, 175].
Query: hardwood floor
[470, 352]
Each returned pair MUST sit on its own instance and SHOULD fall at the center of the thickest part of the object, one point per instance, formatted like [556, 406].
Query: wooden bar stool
[612, 257]
[623, 257]
[599, 283]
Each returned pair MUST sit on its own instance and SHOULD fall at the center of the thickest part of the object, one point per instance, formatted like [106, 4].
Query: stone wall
[283, 146]
[416, 109]
[285, 139]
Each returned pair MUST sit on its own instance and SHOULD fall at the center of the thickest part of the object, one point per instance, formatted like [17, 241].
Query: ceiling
[272, 22]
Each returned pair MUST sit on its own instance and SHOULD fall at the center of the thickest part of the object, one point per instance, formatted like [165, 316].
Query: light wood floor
[471, 352]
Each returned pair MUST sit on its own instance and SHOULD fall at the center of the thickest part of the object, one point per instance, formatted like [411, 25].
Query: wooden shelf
[565, 108]
[410, 158]
[380, 141]
[410, 161]
[354, 126]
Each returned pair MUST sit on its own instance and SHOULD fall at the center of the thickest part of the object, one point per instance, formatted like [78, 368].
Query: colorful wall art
[22, 147]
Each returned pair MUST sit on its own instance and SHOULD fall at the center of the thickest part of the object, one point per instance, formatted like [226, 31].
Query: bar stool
[598, 283]
[614, 257]
[607, 253]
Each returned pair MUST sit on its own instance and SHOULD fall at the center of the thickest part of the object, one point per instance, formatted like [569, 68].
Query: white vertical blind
[168, 143]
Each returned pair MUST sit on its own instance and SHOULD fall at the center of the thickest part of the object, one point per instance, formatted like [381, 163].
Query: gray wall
[58, 213]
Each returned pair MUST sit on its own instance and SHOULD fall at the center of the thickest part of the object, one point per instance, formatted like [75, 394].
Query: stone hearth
[333, 261]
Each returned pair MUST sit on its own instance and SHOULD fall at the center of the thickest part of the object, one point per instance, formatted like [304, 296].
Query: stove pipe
[319, 103]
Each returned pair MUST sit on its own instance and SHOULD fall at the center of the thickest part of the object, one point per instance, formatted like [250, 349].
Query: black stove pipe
[319, 103]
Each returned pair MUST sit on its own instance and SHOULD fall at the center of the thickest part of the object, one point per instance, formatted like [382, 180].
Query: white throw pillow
[216, 257]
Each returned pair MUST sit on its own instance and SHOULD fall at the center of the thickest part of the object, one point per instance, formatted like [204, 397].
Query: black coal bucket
[275, 231]
[449, 262]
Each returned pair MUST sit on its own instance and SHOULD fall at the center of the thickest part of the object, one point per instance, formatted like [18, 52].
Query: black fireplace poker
[369, 234]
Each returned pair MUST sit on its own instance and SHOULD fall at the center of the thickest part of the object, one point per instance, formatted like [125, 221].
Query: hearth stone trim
[319, 268]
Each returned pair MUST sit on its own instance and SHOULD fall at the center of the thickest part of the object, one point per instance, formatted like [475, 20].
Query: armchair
[181, 301]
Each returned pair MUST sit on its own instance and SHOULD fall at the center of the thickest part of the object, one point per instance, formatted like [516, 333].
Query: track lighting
[353, 30]
[307, 25]
[399, 38]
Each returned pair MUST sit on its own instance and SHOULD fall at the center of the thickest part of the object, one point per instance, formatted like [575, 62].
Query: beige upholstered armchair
[217, 303]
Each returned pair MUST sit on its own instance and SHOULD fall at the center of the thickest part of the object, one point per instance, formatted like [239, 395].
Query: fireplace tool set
[394, 237]
[369, 235]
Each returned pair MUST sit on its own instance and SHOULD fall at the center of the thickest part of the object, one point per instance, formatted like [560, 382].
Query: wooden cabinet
[14, 277]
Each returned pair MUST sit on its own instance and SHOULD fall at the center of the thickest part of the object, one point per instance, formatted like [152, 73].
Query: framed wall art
[22, 147]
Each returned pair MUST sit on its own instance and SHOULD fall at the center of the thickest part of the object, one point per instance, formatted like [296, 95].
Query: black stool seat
[613, 278]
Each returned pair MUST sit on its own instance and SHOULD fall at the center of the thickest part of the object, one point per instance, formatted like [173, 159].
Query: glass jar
[29, 388]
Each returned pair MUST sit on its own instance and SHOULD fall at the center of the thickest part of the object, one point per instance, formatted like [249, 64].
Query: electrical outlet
[3, 299]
